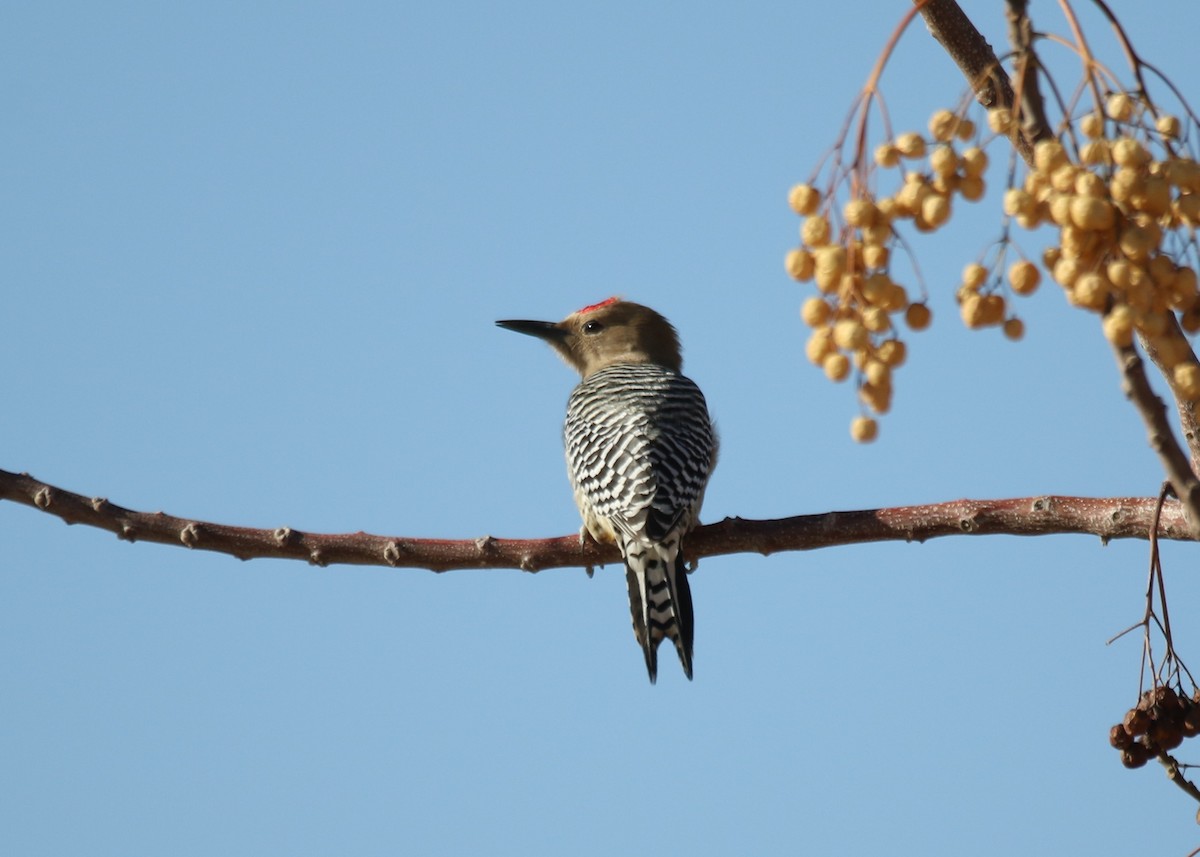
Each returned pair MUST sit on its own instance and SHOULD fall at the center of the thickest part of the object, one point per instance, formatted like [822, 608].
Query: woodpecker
[640, 449]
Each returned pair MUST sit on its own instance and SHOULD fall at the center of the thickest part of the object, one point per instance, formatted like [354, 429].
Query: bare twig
[1107, 518]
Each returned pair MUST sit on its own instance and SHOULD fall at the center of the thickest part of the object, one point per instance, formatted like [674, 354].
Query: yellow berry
[935, 209]
[1088, 183]
[1119, 107]
[1187, 379]
[974, 275]
[974, 161]
[1167, 126]
[1017, 201]
[877, 397]
[859, 212]
[804, 199]
[1155, 197]
[942, 125]
[1095, 153]
[1090, 213]
[1049, 155]
[1000, 120]
[876, 256]
[966, 129]
[1063, 178]
[1118, 326]
[887, 155]
[1058, 206]
[993, 309]
[943, 161]
[1119, 273]
[815, 231]
[1024, 277]
[1079, 243]
[849, 333]
[875, 319]
[911, 145]
[896, 298]
[877, 373]
[799, 264]
[836, 366]
[1014, 329]
[918, 316]
[864, 429]
[1066, 271]
[878, 234]
[875, 287]
[820, 344]
[1136, 242]
[1126, 183]
[1092, 126]
[971, 188]
[973, 312]
[830, 264]
[1128, 152]
[815, 312]
[893, 352]
[1090, 291]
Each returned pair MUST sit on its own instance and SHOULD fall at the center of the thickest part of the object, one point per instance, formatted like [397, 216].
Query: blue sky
[253, 257]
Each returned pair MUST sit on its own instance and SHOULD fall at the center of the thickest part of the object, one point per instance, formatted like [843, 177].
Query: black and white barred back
[640, 449]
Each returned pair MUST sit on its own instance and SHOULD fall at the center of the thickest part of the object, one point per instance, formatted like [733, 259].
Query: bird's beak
[546, 330]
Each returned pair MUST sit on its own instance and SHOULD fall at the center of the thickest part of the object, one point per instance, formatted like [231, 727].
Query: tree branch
[951, 27]
[1162, 439]
[1108, 518]
[1184, 406]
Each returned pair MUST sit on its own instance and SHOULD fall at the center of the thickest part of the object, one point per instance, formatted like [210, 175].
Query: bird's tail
[660, 600]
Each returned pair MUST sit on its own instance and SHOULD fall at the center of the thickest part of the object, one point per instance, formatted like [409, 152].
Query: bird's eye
[593, 327]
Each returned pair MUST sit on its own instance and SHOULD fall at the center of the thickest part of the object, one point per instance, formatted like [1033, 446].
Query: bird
[640, 448]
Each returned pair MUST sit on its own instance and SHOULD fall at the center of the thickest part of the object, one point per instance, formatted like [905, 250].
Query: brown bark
[1107, 518]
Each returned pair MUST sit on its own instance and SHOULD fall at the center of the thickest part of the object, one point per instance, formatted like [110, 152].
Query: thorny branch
[1107, 518]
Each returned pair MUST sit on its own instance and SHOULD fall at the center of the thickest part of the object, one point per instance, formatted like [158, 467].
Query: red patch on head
[592, 307]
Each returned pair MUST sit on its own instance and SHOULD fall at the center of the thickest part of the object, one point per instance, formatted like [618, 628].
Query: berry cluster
[1125, 201]
[1157, 724]
[849, 257]
[1117, 185]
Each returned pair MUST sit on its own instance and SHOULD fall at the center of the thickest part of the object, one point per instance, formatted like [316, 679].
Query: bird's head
[604, 334]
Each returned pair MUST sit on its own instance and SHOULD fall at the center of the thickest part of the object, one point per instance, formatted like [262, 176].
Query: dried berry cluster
[1125, 203]
[1116, 184]
[849, 258]
[1157, 724]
